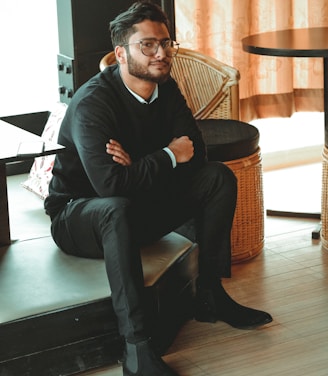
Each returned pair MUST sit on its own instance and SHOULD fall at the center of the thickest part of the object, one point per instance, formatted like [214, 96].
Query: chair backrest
[211, 88]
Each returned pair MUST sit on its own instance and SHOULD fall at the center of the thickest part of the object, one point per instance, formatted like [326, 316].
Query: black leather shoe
[217, 305]
[141, 360]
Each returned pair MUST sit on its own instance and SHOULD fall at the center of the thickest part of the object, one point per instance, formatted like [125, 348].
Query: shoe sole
[213, 320]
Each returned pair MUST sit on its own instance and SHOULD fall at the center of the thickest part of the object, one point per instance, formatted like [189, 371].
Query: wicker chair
[212, 92]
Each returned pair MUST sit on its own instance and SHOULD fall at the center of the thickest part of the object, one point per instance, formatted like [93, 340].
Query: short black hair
[122, 27]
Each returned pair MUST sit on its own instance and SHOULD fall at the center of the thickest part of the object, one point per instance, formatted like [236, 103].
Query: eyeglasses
[150, 46]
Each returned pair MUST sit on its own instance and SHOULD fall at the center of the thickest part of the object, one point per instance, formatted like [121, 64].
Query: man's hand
[182, 148]
[120, 156]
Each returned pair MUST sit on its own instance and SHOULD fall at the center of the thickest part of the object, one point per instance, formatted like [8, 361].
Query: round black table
[307, 42]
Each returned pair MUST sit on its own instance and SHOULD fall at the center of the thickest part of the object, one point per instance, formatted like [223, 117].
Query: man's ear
[120, 54]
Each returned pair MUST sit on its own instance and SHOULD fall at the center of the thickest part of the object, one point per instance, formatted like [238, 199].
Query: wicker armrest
[107, 60]
[209, 86]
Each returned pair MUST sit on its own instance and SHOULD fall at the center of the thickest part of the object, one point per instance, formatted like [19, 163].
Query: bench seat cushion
[36, 277]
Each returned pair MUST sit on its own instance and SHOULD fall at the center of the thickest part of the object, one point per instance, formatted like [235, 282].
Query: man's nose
[161, 52]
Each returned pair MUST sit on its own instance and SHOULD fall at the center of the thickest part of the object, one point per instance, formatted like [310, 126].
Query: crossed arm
[181, 147]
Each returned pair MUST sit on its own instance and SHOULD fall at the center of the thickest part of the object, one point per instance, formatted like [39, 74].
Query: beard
[141, 71]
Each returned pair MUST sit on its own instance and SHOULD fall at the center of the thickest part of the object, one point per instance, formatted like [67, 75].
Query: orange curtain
[269, 86]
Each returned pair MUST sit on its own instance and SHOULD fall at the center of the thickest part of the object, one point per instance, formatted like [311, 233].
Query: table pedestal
[4, 216]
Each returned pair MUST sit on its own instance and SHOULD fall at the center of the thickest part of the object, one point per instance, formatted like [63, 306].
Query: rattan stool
[324, 199]
[237, 145]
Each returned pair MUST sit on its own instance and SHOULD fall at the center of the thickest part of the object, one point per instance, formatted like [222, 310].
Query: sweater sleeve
[109, 178]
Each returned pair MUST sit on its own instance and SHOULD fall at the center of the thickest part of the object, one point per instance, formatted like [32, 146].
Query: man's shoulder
[100, 84]
[109, 77]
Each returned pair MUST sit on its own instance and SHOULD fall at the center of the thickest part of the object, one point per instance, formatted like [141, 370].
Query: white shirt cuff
[172, 156]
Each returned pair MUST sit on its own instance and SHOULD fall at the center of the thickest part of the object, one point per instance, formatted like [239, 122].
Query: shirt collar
[153, 97]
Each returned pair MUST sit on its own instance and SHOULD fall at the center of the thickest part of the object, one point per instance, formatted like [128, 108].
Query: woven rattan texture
[206, 83]
[324, 199]
[247, 235]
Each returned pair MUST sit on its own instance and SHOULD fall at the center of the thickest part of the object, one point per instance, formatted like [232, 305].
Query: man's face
[154, 68]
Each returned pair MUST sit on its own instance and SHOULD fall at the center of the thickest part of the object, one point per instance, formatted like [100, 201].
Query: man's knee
[221, 175]
[114, 208]
[83, 222]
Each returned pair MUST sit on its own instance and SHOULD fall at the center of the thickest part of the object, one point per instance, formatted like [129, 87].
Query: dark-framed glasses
[150, 46]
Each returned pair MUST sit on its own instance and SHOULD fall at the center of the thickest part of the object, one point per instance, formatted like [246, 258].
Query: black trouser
[116, 227]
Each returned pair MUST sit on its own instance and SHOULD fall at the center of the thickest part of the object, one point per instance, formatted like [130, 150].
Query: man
[135, 169]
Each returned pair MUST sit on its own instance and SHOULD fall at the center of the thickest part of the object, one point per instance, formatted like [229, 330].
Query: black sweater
[103, 109]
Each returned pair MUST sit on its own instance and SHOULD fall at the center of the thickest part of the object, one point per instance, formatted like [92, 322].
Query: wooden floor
[289, 279]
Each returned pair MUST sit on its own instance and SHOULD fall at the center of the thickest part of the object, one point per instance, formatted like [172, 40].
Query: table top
[308, 42]
[10, 139]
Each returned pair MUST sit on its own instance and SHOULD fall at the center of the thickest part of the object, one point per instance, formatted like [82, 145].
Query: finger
[120, 155]
[122, 161]
[114, 142]
[110, 148]
[119, 160]
[117, 153]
